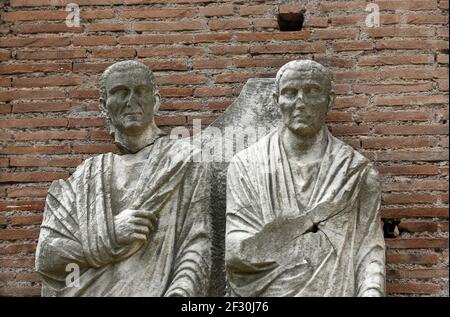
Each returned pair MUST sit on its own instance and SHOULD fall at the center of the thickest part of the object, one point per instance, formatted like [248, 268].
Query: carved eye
[289, 92]
[120, 92]
[312, 90]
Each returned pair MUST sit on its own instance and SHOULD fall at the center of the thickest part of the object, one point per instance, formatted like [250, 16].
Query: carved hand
[134, 225]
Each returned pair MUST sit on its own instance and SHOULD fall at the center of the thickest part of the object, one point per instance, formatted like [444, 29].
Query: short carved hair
[301, 65]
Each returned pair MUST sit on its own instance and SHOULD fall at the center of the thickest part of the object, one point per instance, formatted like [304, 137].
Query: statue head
[129, 97]
[304, 95]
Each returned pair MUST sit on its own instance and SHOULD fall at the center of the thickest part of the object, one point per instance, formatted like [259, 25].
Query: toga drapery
[78, 227]
[278, 246]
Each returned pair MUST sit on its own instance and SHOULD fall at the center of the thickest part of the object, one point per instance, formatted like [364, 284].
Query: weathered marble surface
[302, 207]
[135, 224]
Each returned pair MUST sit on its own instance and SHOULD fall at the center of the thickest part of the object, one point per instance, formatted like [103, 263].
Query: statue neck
[305, 148]
[134, 143]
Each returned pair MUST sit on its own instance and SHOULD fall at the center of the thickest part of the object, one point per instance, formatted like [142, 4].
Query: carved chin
[303, 128]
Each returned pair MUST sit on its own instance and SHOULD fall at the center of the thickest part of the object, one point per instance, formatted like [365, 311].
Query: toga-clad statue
[302, 206]
[134, 224]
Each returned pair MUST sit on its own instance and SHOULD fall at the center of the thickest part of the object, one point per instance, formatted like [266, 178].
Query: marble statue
[134, 224]
[302, 214]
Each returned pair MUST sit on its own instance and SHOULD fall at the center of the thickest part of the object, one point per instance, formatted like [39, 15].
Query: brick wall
[391, 81]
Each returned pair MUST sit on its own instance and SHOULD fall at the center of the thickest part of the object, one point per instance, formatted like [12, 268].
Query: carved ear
[157, 102]
[275, 98]
[331, 100]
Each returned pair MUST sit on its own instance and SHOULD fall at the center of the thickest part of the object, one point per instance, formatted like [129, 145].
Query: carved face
[304, 97]
[131, 101]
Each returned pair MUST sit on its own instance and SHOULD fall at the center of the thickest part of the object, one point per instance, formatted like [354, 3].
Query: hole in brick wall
[291, 21]
[390, 228]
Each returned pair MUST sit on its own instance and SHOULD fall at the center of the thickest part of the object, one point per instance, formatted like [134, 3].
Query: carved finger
[139, 236]
[141, 229]
[146, 214]
[141, 221]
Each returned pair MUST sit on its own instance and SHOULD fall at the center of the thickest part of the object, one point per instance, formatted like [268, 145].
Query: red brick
[47, 81]
[86, 122]
[412, 258]
[176, 92]
[353, 101]
[442, 58]
[401, 199]
[219, 105]
[350, 130]
[166, 65]
[18, 248]
[44, 28]
[84, 93]
[100, 136]
[169, 26]
[416, 185]
[50, 135]
[25, 161]
[312, 22]
[182, 79]
[217, 11]
[19, 263]
[292, 48]
[31, 68]
[212, 92]
[394, 116]
[412, 129]
[417, 273]
[50, 41]
[35, 149]
[173, 120]
[443, 84]
[105, 27]
[417, 243]
[398, 170]
[381, 32]
[391, 88]
[412, 44]
[269, 23]
[113, 53]
[16, 94]
[211, 63]
[20, 291]
[28, 205]
[155, 39]
[50, 15]
[397, 142]
[172, 51]
[5, 55]
[275, 36]
[212, 38]
[33, 123]
[229, 50]
[181, 105]
[395, 60]
[62, 54]
[90, 67]
[26, 220]
[290, 8]
[356, 75]
[407, 5]
[417, 226]
[331, 34]
[253, 10]
[159, 13]
[27, 192]
[228, 24]
[410, 100]
[93, 148]
[423, 18]
[94, 40]
[5, 82]
[352, 46]
[410, 155]
[412, 288]
[41, 107]
[259, 62]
